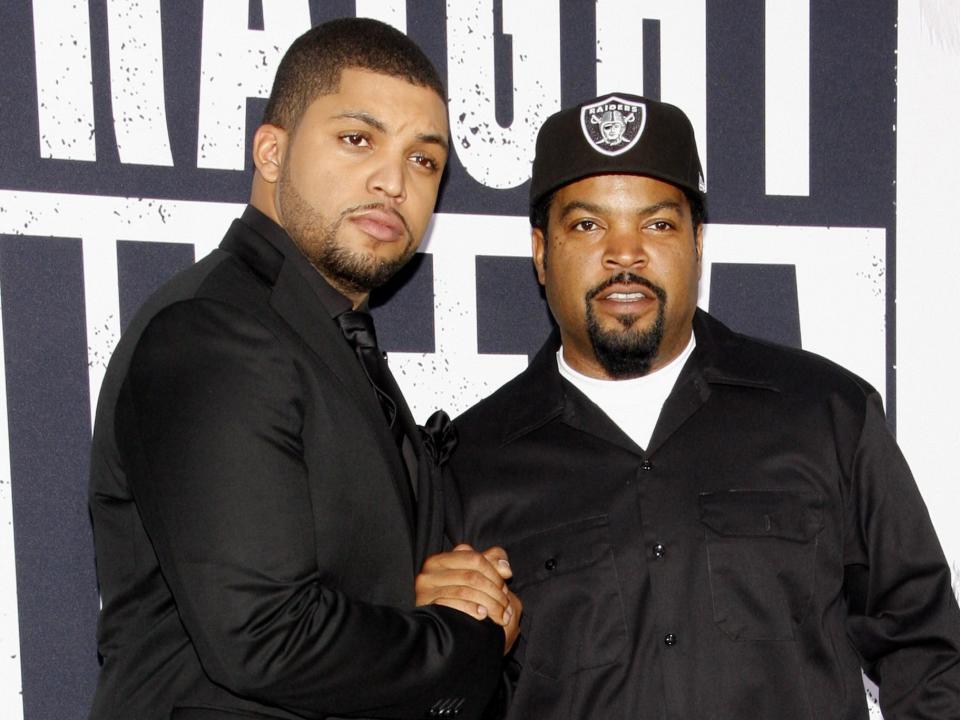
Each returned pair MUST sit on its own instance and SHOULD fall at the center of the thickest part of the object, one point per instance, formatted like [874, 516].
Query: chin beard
[626, 353]
[352, 272]
[349, 272]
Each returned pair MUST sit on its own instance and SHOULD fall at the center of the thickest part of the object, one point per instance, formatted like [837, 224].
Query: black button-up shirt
[767, 544]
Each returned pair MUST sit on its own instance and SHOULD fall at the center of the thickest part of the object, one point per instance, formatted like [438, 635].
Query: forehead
[398, 104]
[616, 192]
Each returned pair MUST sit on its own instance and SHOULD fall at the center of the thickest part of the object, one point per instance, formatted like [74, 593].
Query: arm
[470, 581]
[903, 616]
[209, 422]
[454, 528]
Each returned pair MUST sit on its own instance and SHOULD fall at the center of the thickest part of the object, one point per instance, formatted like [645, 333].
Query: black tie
[358, 328]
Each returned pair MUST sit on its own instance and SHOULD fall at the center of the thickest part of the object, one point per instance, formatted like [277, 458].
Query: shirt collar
[332, 301]
[721, 356]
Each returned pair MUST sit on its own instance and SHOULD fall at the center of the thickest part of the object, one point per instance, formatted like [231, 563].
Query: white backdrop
[928, 257]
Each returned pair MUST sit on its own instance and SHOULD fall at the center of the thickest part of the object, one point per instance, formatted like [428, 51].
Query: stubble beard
[349, 272]
[626, 353]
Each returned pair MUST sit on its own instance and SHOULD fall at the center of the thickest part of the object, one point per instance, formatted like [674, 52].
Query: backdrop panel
[127, 154]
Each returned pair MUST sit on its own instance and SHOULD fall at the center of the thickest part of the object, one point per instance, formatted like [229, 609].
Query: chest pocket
[572, 613]
[761, 553]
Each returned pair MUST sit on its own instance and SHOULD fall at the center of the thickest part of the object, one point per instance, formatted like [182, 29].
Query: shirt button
[659, 551]
[646, 465]
[669, 639]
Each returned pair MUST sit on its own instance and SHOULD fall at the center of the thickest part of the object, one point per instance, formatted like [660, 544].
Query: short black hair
[312, 65]
[540, 213]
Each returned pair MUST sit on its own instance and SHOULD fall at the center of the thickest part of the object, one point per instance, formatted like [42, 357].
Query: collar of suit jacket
[268, 257]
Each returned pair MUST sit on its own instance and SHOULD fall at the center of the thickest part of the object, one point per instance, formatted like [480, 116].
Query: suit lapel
[296, 302]
[429, 533]
[423, 473]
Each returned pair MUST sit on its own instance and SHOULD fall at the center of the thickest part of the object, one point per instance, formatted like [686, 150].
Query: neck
[261, 197]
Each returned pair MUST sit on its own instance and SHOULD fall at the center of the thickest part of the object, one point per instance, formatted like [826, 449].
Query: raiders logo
[613, 125]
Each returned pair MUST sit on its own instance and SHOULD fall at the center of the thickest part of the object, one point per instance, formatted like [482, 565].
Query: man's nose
[388, 178]
[625, 247]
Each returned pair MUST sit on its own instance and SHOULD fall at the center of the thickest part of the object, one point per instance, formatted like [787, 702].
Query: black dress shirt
[767, 544]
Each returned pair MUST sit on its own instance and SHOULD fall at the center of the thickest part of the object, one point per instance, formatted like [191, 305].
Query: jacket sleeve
[455, 530]
[902, 613]
[209, 423]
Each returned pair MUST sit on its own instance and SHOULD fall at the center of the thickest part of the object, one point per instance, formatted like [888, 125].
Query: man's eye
[355, 139]
[425, 161]
[660, 226]
[585, 225]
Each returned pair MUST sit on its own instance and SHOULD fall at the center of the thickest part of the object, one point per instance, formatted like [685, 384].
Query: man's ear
[538, 245]
[699, 243]
[269, 150]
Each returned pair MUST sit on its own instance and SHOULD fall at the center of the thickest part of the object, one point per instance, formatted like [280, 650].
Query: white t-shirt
[635, 404]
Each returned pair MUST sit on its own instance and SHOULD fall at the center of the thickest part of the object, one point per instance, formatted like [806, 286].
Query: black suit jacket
[256, 539]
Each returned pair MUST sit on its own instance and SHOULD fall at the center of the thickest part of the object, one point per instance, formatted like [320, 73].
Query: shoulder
[528, 401]
[218, 296]
[490, 410]
[219, 277]
[804, 372]
[728, 357]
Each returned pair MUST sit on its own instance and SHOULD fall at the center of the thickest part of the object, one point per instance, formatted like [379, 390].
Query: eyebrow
[376, 124]
[662, 205]
[599, 209]
[580, 205]
[435, 139]
[363, 117]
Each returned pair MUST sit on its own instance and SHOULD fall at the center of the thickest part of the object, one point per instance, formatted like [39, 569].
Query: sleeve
[209, 425]
[455, 530]
[902, 613]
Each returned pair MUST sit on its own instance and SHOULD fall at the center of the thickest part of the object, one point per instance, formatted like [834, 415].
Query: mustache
[628, 278]
[377, 206]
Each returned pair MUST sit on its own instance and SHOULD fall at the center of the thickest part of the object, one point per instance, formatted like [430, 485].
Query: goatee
[348, 271]
[626, 353]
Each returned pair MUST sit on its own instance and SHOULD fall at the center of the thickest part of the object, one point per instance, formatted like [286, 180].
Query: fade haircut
[312, 65]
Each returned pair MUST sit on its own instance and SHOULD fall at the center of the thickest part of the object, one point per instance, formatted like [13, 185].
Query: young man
[701, 525]
[260, 495]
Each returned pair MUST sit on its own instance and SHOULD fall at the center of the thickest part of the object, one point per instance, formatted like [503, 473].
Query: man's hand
[512, 628]
[470, 581]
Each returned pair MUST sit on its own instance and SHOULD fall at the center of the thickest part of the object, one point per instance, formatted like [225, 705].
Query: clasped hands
[472, 582]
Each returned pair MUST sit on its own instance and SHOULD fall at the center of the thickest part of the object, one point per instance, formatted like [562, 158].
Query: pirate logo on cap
[613, 125]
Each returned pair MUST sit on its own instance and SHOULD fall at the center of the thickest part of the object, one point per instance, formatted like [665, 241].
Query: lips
[381, 225]
[626, 299]
[627, 294]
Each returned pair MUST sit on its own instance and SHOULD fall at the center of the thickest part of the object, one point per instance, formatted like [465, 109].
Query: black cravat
[357, 327]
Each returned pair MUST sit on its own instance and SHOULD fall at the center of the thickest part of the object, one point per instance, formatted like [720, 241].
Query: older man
[700, 524]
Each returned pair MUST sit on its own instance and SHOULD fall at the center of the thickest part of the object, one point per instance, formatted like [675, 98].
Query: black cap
[616, 133]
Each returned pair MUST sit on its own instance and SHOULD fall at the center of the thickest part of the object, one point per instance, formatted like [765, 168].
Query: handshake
[472, 582]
